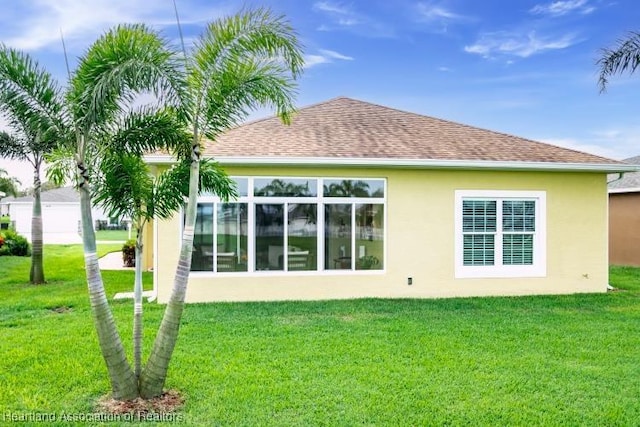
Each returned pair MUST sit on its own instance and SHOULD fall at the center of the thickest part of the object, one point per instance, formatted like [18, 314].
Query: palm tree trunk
[123, 381]
[137, 307]
[154, 374]
[36, 275]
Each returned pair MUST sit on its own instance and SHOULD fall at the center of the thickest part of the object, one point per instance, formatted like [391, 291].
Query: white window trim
[539, 266]
[319, 200]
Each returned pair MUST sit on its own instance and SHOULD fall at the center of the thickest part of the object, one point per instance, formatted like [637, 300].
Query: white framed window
[500, 233]
[293, 224]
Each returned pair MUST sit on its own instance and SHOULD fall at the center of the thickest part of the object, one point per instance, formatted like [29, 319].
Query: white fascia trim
[624, 190]
[159, 159]
[408, 163]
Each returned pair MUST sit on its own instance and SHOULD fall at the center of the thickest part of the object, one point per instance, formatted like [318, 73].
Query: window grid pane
[202, 257]
[338, 237]
[285, 187]
[479, 249]
[302, 236]
[518, 215]
[367, 188]
[517, 249]
[479, 216]
[231, 238]
[369, 236]
[269, 236]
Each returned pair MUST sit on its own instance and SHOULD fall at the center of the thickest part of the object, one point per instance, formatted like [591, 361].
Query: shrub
[129, 253]
[368, 262]
[14, 244]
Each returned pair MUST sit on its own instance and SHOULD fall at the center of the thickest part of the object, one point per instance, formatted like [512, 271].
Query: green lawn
[556, 360]
[110, 235]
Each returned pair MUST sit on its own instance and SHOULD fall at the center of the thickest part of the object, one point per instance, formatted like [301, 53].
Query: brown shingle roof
[348, 128]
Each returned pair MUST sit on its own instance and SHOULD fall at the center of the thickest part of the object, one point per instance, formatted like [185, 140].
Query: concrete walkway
[113, 261]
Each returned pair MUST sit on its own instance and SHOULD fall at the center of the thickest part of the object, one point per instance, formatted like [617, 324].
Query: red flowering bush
[12, 243]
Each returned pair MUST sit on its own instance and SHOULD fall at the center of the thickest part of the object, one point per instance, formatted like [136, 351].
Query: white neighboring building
[60, 215]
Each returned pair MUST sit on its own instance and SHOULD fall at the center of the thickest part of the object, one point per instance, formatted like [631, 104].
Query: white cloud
[521, 45]
[330, 7]
[583, 146]
[437, 16]
[562, 7]
[444, 69]
[324, 56]
[43, 20]
[614, 143]
[347, 18]
[436, 12]
[335, 55]
[313, 60]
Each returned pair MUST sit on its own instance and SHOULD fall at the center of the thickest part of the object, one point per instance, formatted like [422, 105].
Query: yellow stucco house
[359, 200]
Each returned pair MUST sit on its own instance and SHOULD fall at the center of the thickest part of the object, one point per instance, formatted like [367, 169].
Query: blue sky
[524, 67]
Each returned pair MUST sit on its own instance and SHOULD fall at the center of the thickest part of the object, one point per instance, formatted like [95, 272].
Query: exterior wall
[624, 228]
[147, 260]
[420, 236]
[60, 221]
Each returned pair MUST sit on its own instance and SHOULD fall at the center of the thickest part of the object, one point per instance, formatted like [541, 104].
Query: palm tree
[125, 61]
[126, 188]
[239, 63]
[31, 100]
[625, 56]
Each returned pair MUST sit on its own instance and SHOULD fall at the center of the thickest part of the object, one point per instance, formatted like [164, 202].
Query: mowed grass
[117, 235]
[550, 360]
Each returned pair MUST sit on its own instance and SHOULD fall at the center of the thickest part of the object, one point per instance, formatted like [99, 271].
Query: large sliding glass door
[293, 224]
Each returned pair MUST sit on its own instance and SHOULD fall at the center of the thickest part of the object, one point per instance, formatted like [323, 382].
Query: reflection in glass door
[269, 236]
[337, 237]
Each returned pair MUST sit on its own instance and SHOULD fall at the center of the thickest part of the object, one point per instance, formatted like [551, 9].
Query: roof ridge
[295, 112]
[468, 126]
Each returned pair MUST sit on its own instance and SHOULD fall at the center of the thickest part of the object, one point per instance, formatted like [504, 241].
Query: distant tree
[348, 188]
[624, 57]
[31, 101]
[8, 184]
[278, 188]
[46, 186]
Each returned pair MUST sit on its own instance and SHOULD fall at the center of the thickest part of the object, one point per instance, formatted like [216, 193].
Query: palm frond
[172, 186]
[125, 61]
[624, 57]
[60, 166]
[255, 37]
[240, 89]
[146, 130]
[124, 186]
[12, 147]
[29, 92]
[168, 196]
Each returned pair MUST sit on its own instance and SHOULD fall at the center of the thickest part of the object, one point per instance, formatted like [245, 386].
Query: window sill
[492, 272]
